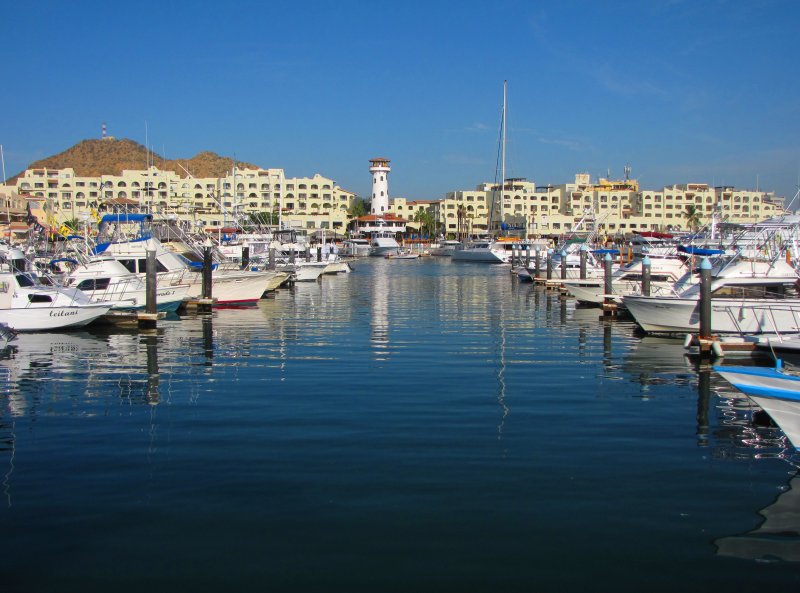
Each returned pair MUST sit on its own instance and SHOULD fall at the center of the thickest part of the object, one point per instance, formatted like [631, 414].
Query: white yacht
[484, 251]
[383, 243]
[748, 296]
[27, 305]
[445, 248]
[665, 271]
[355, 247]
[229, 287]
[103, 278]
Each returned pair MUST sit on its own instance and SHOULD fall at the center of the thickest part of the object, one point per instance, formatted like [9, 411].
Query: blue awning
[692, 250]
[125, 217]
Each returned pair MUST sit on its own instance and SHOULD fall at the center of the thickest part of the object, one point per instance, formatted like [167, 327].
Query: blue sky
[694, 91]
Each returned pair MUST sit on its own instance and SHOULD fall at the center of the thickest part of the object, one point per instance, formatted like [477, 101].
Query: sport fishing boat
[484, 251]
[382, 243]
[748, 296]
[665, 271]
[103, 278]
[27, 305]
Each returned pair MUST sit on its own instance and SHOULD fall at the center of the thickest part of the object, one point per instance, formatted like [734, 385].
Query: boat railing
[765, 313]
[118, 291]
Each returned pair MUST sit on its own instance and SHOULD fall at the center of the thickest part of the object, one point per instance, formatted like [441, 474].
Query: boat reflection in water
[778, 536]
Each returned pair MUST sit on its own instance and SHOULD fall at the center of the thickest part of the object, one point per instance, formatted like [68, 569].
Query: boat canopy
[653, 235]
[125, 217]
[692, 250]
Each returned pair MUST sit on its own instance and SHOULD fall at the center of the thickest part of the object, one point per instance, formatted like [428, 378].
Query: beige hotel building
[614, 206]
[309, 203]
[316, 203]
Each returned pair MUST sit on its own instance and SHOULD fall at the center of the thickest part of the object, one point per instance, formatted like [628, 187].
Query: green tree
[358, 208]
[426, 221]
[74, 224]
[263, 218]
[692, 215]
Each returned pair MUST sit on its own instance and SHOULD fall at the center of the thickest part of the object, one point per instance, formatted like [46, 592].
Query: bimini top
[691, 249]
[125, 217]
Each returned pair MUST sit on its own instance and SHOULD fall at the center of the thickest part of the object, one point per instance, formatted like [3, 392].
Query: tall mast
[503, 157]
[234, 190]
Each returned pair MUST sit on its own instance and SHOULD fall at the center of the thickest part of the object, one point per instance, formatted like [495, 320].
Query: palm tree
[426, 220]
[461, 217]
[692, 215]
[263, 218]
[73, 224]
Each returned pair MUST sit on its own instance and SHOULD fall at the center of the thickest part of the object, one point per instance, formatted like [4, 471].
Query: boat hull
[485, 256]
[777, 393]
[240, 289]
[735, 316]
[33, 319]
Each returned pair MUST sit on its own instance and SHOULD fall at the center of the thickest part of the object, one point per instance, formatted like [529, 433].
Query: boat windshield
[24, 280]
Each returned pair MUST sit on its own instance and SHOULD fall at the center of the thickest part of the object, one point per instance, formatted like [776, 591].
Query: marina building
[317, 203]
[309, 203]
[610, 206]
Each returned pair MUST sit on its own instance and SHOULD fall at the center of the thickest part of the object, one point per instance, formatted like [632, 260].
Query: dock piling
[646, 268]
[584, 258]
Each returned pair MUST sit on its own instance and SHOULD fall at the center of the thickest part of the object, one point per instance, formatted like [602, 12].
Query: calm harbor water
[412, 426]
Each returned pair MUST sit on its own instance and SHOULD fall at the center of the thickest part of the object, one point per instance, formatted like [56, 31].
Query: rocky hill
[109, 156]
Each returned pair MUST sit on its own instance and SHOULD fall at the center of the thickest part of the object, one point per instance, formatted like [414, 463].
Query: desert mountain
[109, 156]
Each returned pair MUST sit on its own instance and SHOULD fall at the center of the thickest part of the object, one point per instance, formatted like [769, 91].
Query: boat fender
[716, 348]
[687, 341]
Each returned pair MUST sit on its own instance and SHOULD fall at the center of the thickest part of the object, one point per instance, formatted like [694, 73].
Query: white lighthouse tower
[380, 186]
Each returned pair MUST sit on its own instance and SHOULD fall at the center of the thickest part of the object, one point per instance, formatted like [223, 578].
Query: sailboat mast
[503, 157]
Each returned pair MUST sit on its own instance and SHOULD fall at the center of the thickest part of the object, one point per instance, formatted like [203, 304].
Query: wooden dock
[716, 347]
[198, 304]
[137, 318]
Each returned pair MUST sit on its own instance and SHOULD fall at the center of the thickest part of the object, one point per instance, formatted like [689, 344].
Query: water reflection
[379, 309]
[495, 409]
[657, 361]
[778, 535]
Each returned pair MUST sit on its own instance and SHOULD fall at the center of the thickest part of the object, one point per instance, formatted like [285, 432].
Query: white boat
[355, 247]
[594, 268]
[229, 287]
[383, 243]
[489, 252]
[303, 271]
[777, 343]
[403, 255]
[444, 248]
[103, 278]
[748, 296]
[665, 271]
[774, 390]
[336, 265]
[27, 305]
